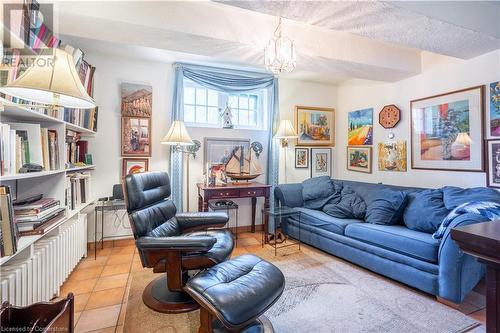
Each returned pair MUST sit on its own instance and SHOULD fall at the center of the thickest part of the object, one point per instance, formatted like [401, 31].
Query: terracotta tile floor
[101, 286]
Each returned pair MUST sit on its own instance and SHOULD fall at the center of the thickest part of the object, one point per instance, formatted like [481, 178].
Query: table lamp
[284, 133]
[178, 137]
[53, 80]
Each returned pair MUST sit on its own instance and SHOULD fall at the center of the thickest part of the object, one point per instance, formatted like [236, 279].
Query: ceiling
[335, 41]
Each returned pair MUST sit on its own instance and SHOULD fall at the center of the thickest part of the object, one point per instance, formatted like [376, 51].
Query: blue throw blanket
[488, 209]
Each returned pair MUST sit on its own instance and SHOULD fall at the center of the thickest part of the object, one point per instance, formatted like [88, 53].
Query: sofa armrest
[289, 195]
[201, 221]
[458, 272]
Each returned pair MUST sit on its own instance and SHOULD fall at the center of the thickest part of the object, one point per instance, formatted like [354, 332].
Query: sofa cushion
[317, 191]
[455, 196]
[425, 210]
[396, 238]
[385, 206]
[350, 206]
[324, 221]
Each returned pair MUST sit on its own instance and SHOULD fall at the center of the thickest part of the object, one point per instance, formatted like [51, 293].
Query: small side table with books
[278, 213]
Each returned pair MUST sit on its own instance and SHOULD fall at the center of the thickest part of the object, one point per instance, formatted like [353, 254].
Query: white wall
[105, 147]
[440, 78]
[292, 93]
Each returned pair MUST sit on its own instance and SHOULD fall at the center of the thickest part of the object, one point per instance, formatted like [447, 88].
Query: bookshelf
[50, 183]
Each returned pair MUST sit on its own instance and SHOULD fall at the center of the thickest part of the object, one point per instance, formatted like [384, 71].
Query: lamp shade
[286, 130]
[177, 135]
[53, 80]
[463, 139]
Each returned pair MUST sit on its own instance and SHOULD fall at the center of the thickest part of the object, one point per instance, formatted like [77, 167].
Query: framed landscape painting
[493, 167]
[315, 126]
[136, 136]
[359, 159]
[321, 162]
[392, 156]
[134, 165]
[301, 158]
[360, 130]
[493, 127]
[447, 131]
[137, 100]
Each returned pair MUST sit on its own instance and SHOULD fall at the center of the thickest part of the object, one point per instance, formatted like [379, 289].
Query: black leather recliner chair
[170, 242]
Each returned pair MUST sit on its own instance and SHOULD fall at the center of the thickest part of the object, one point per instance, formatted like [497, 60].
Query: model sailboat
[242, 166]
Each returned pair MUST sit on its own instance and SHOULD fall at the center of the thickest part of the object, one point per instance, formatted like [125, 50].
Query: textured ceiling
[470, 30]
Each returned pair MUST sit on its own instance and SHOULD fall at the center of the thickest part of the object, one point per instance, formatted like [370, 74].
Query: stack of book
[82, 118]
[8, 227]
[22, 143]
[77, 189]
[35, 217]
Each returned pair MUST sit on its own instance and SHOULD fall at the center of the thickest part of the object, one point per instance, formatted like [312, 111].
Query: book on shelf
[86, 118]
[78, 189]
[8, 226]
[22, 143]
[32, 216]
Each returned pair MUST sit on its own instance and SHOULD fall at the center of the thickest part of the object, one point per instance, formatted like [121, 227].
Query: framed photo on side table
[493, 160]
[447, 131]
[301, 158]
[321, 162]
[359, 159]
[134, 165]
[315, 126]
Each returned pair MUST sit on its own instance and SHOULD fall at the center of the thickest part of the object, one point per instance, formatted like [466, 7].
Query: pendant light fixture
[279, 53]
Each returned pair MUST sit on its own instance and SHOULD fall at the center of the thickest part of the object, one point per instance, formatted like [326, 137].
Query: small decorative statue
[226, 117]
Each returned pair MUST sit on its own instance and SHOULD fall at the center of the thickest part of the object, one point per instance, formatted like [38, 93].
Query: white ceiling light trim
[279, 54]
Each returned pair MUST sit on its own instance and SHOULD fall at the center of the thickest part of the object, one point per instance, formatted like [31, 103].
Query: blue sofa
[411, 257]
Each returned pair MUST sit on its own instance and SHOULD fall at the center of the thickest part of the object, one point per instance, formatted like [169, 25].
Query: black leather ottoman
[234, 294]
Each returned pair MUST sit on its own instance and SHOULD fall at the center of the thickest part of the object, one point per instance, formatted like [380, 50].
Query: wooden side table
[246, 190]
[482, 240]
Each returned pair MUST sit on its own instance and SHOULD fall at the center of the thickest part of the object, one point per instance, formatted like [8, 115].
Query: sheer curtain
[228, 81]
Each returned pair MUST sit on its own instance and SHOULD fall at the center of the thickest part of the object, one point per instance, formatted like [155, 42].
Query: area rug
[323, 294]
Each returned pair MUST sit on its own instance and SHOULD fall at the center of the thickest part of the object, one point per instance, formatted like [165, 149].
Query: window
[202, 107]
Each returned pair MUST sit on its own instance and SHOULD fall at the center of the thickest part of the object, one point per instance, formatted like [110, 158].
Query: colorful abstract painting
[321, 159]
[392, 156]
[493, 168]
[359, 159]
[134, 165]
[360, 130]
[315, 126]
[447, 131]
[495, 109]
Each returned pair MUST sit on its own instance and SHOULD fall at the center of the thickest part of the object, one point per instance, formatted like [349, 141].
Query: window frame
[223, 100]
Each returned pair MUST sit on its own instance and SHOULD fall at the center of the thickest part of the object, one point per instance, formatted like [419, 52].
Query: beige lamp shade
[177, 135]
[52, 80]
[286, 130]
[463, 139]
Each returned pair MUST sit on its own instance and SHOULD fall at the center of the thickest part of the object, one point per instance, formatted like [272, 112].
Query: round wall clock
[389, 116]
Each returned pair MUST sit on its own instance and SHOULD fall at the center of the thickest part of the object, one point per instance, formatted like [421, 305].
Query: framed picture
[321, 162]
[137, 100]
[447, 131]
[392, 156]
[134, 165]
[493, 121]
[315, 126]
[360, 131]
[218, 150]
[359, 159]
[301, 158]
[136, 136]
[493, 167]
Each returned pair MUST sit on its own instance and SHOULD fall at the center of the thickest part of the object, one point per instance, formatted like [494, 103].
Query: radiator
[39, 272]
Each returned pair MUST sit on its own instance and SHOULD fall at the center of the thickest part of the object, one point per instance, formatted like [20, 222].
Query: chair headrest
[146, 188]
